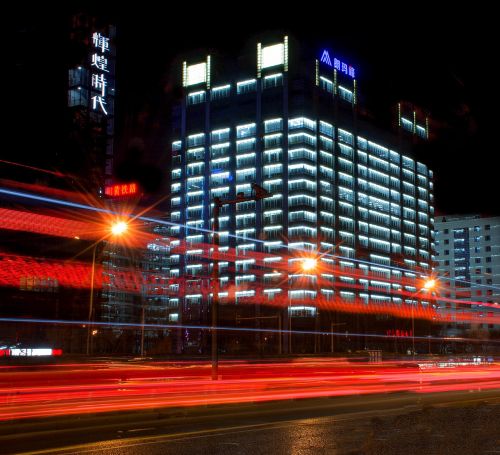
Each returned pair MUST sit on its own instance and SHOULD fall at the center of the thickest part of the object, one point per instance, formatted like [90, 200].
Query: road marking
[140, 429]
[149, 440]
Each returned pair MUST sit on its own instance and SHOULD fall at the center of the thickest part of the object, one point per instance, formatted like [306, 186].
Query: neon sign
[399, 333]
[120, 190]
[337, 64]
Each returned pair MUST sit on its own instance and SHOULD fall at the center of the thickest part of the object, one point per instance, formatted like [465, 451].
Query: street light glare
[309, 264]
[119, 228]
[429, 284]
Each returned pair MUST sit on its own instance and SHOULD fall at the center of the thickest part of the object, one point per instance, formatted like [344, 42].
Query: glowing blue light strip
[226, 329]
[56, 201]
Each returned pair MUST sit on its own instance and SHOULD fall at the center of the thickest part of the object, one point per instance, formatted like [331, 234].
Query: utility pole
[332, 324]
[259, 193]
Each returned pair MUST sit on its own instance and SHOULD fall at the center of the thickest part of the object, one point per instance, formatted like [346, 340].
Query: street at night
[347, 406]
[250, 229]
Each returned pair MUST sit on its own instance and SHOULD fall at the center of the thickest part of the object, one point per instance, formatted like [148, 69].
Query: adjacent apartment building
[468, 262]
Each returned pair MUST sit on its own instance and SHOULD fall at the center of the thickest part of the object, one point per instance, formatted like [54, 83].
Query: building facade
[342, 191]
[468, 262]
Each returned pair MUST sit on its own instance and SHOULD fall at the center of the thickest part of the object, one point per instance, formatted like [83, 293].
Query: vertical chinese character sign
[100, 72]
[101, 64]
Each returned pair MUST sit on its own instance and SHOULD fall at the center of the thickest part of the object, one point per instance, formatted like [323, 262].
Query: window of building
[220, 92]
[77, 97]
[273, 125]
[248, 159]
[301, 122]
[326, 84]
[345, 94]
[302, 138]
[220, 135]
[273, 80]
[345, 136]
[196, 98]
[248, 86]
[245, 175]
[245, 145]
[244, 131]
[326, 129]
[195, 140]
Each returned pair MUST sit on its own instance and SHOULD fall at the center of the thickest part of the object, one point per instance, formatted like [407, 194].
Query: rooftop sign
[337, 64]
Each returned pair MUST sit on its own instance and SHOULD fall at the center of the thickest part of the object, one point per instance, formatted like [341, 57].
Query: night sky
[440, 60]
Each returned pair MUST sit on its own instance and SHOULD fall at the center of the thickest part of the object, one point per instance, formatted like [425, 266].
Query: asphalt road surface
[463, 422]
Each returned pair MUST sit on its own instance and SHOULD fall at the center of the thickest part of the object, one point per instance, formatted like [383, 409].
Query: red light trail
[92, 388]
[74, 274]
[14, 268]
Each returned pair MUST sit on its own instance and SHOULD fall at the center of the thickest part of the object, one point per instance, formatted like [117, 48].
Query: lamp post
[332, 324]
[91, 299]
[116, 229]
[429, 284]
[307, 265]
[259, 193]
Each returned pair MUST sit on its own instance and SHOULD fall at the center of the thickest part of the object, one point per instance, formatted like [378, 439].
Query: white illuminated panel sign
[196, 74]
[273, 55]
[30, 352]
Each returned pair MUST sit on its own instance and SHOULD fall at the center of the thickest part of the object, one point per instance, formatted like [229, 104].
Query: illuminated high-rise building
[342, 191]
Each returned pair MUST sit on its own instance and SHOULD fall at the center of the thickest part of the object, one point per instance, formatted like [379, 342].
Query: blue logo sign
[337, 64]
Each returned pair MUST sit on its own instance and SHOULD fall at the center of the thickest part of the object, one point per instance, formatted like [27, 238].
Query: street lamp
[119, 228]
[259, 193]
[116, 229]
[429, 284]
[309, 264]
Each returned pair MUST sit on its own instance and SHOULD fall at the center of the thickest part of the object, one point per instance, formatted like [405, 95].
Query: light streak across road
[105, 387]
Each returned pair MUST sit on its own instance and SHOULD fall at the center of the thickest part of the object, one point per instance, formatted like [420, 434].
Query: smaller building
[468, 258]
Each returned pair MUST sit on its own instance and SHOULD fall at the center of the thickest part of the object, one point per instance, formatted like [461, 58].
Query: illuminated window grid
[378, 189]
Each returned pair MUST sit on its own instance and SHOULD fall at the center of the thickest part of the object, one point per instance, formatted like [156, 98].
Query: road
[78, 389]
[430, 423]
[254, 407]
